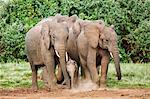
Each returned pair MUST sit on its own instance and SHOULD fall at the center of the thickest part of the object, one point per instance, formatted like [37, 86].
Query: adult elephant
[94, 44]
[90, 44]
[47, 39]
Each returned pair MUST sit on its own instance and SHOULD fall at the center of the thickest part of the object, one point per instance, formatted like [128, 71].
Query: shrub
[130, 17]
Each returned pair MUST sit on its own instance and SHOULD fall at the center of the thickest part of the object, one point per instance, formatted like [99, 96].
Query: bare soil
[69, 94]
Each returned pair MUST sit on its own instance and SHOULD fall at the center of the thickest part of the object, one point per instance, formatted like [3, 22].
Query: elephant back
[33, 45]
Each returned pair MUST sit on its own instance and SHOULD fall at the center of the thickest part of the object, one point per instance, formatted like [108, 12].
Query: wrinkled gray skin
[89, 45]
[94, 44]
[41, 42]
[72, 70]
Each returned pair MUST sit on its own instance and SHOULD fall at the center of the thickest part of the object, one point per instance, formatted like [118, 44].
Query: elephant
[72, 70]
[94, 44]
[43, 43]
[90, 44]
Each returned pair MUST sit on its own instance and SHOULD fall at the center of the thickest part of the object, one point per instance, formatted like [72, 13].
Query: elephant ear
[70, 22]
[100, 25]
[73, 18]
[113, 27]
[76, 28]
[92, 32]
[99, 21]
[59, 18]
[45, 35]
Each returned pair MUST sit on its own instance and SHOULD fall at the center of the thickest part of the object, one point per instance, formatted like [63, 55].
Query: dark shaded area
[73, 11]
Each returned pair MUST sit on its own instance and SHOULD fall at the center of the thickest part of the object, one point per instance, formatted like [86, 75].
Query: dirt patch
[69, 94]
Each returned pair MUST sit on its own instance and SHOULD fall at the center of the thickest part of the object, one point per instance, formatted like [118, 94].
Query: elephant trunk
[62, 54]
[115, 54]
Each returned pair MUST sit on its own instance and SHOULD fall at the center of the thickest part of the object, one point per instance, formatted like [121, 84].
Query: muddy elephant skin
[45, 40]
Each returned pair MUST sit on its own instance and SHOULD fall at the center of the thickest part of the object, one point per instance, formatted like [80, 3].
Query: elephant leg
[104, 68]
[91, 64]
[34, 77]
[98, 68]
[84, 69]
[75, 81]
[45, 76]
[72, 79]
[59, 74]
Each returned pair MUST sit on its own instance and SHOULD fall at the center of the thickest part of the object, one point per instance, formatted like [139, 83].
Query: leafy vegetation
[14, 75]
[130, 17]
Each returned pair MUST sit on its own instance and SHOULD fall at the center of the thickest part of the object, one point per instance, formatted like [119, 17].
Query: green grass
[13, 75]
[133, 76]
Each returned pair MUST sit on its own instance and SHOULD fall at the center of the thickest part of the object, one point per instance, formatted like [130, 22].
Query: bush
[130, 17]
[13, 43]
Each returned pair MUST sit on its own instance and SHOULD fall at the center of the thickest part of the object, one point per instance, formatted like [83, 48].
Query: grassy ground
[14, 75]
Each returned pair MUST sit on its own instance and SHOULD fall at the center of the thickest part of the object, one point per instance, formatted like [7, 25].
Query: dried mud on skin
[69, 94]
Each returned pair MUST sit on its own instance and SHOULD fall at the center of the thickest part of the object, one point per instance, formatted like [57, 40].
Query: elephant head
[108, 40]
[55, 34]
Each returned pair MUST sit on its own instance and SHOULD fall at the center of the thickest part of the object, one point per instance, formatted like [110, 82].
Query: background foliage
[130, 17]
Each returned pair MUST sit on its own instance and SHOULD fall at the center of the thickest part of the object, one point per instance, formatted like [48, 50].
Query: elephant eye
[53, 36]
[67, 29]
[107, 40]
[67, 37]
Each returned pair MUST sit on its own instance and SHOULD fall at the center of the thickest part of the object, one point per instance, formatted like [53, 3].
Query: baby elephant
[72, 70]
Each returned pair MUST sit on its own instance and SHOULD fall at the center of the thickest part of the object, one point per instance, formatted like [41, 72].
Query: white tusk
[82, 31]
[57, 53]
[67, 59]
[70, 29]
[111, 55]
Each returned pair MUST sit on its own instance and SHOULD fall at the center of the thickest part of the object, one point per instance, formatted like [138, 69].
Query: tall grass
[133, 76]
[13, 75]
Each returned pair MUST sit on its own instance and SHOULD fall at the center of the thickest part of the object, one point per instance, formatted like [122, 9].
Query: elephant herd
[64, 44]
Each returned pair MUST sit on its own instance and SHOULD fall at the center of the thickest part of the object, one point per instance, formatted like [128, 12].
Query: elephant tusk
[111, 55]
[57, 53]
[70, 29]
[67, 58]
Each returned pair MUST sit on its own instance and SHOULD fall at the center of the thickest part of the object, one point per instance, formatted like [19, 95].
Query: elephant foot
[34, 88]
[67, 86]
[48, 89]
[53, 87]
[103, 85]
[59, 86]
[103, 88]
[63, 86]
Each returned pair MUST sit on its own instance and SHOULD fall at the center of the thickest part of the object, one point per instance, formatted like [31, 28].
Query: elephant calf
[72, 70]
